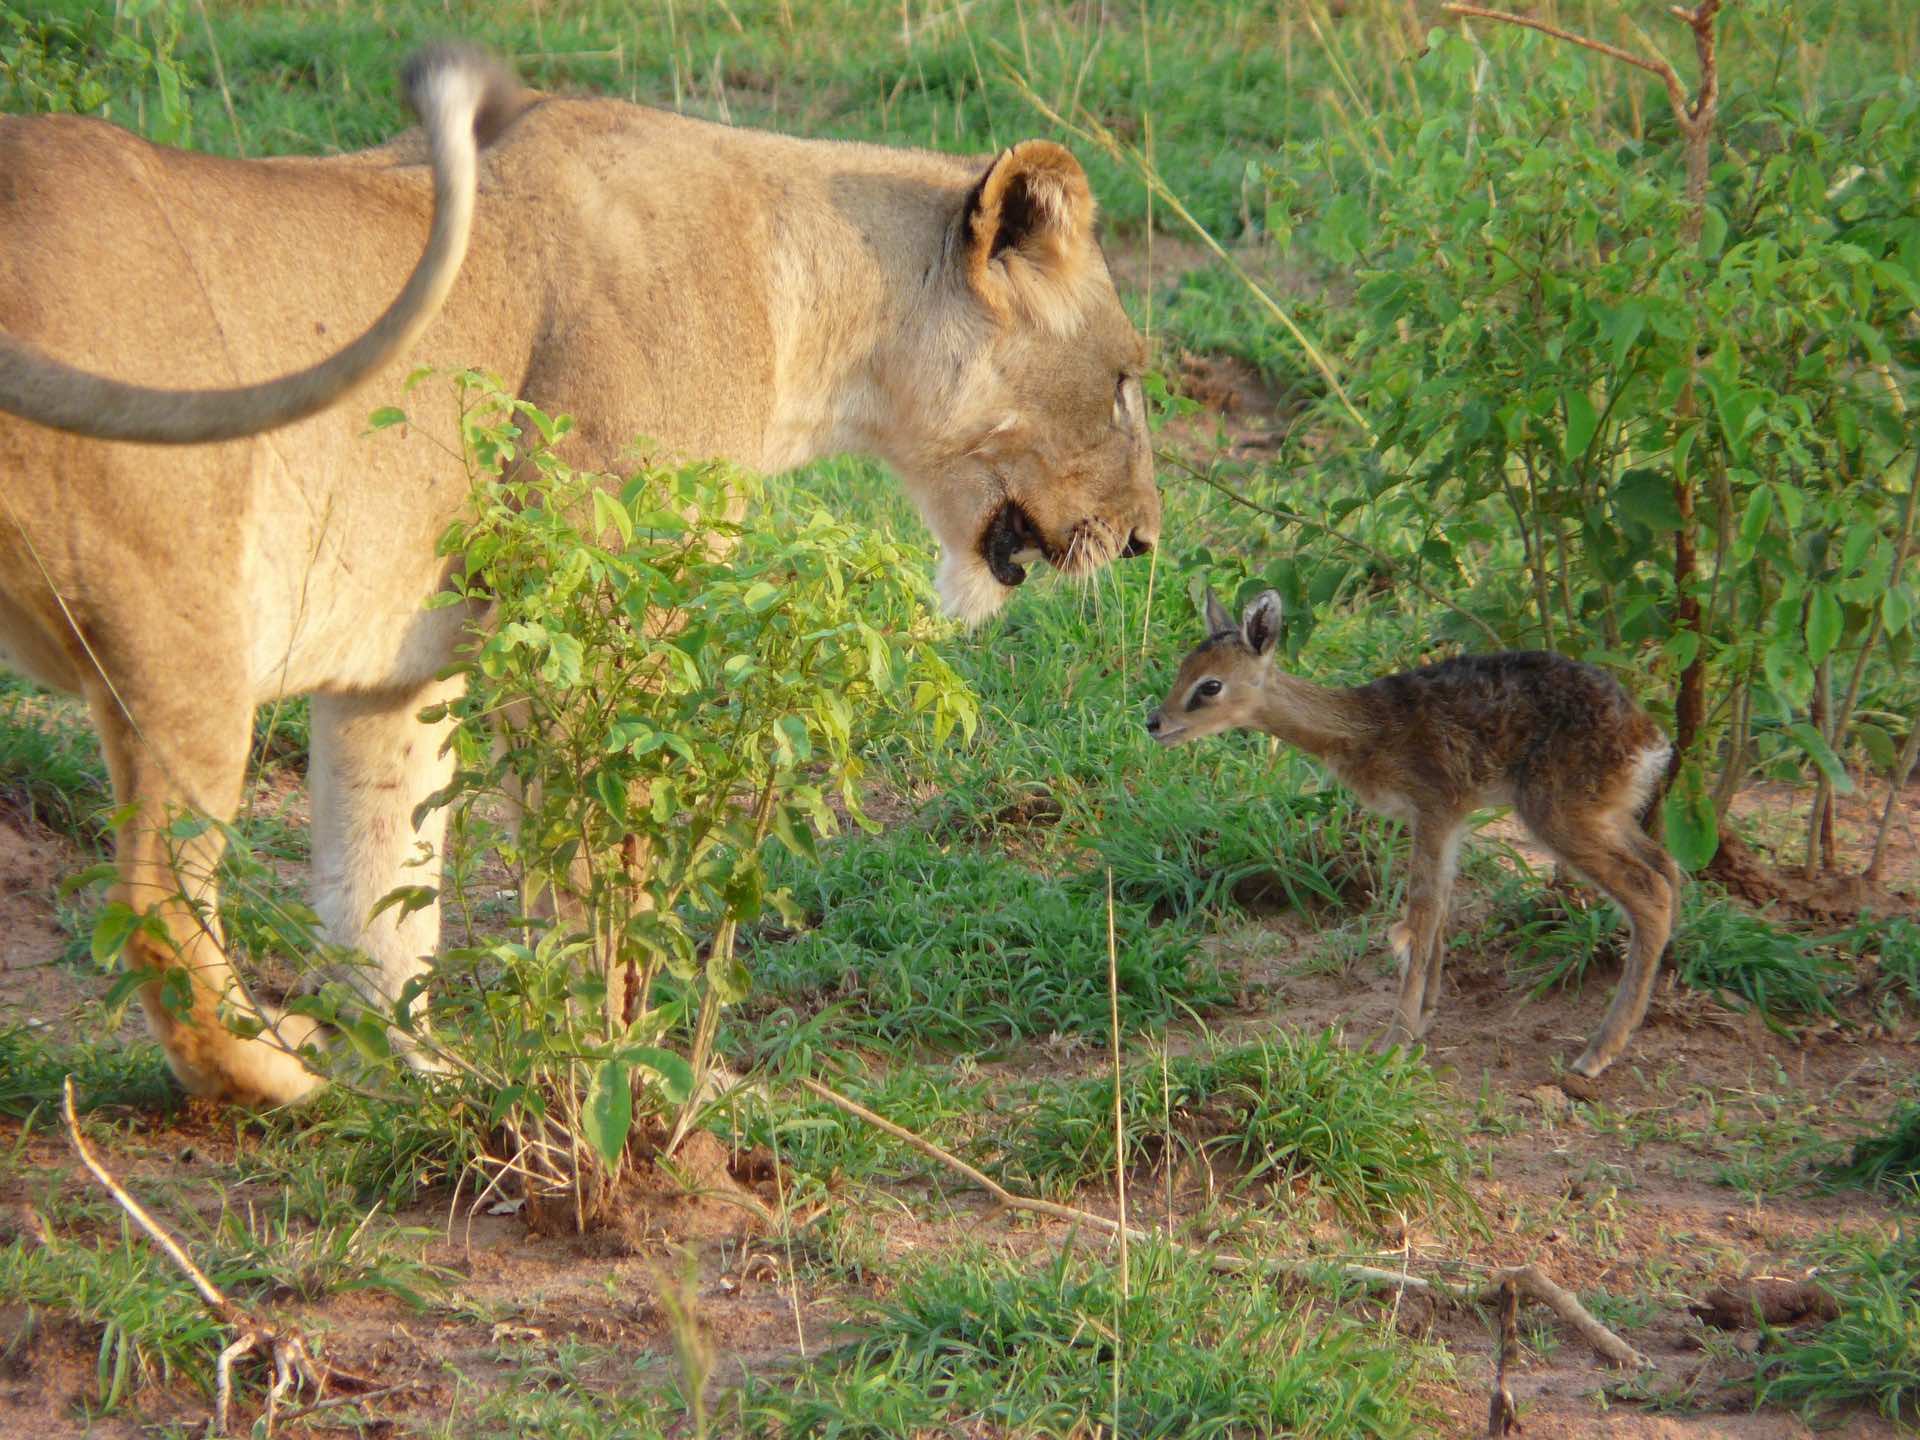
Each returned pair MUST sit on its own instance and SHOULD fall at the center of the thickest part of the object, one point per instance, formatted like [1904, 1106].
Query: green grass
[105, 1073]
[1887, 1159]
[1870, 1355]
[50, 765]
[150, 1325]
[977, 1344]
[1719, 947]
[1730, 952]
[959, 947]
[825, 1148]
[1298, 1115]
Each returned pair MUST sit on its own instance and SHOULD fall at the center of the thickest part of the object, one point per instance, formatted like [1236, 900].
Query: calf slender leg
[1437, 949]
[1641, 878]
[1435, 840]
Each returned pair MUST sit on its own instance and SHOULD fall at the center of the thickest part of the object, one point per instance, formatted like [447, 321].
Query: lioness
[726, 292]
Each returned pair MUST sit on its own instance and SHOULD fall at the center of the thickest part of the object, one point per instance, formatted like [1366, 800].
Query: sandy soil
[1617, 1191]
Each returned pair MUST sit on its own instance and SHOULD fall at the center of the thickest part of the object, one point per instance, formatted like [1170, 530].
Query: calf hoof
[1397, 1038]
[1593, 1064]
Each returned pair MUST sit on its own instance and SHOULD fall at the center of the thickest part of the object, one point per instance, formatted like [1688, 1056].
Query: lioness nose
[1137, 544]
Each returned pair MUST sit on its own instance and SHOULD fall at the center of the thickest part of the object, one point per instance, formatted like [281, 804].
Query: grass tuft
[957, 947]
[104, 1073]
[982, 1344]
[1870, 1355]
[1887, 1159]
[1369, 1132]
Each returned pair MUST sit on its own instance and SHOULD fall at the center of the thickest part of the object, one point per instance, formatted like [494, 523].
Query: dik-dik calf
[1558, 740]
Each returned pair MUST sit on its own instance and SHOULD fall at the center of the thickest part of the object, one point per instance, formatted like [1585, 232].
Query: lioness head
[1025, 437]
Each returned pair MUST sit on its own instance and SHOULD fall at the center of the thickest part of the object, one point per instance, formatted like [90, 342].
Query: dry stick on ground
[294, 1365]
[1530, 1281]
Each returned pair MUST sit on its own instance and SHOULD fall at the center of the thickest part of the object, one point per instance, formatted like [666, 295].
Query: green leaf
[607, 1117]
[386, 416]
[1824, 623]
[1692, 829]
[1788, 672]
[610, 514]
[673, 1072]
[1821, 753]
[111, 931]
[104, 873]
[612, 793]
[1896, 609]
[1582, 421]
[408, 898]
[1759, 512]
[1645, 498]
[1877, 743]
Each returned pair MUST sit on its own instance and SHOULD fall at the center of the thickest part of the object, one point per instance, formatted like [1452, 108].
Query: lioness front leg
[171, 876]
[372, 763]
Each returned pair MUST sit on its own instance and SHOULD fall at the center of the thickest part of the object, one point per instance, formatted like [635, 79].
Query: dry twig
[294, 1365]
[1530, 1281]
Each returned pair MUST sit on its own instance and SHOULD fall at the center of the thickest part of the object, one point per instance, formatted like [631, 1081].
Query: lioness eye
[1122, 410]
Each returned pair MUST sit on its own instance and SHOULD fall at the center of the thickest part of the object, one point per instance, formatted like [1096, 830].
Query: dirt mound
[702, 1192]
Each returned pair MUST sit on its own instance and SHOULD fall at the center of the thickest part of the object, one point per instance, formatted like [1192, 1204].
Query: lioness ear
[1219, 622]
[1026, 234]
[1260, 626]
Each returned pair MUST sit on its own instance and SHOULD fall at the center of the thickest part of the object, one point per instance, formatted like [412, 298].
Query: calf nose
[1137, 544]
[1153, 723]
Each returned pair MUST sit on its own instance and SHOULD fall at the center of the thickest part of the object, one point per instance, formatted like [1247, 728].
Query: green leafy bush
[663, 690]
[1687, 417]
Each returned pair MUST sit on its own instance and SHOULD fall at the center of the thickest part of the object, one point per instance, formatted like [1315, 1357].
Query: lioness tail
[463, 99]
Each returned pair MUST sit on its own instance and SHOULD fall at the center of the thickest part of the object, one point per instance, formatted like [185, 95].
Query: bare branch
[285, 1349]
[1655, 65]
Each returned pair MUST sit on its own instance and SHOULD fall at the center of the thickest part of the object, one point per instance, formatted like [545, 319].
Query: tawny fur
[1558, 740]
[720, 291]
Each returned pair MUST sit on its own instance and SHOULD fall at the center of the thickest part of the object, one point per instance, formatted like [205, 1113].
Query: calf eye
[1205, 690]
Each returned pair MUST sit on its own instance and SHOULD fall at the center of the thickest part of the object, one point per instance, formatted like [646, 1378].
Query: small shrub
[1870, 1355]
[985, 1345]
[1370, 1132]
[662, 690]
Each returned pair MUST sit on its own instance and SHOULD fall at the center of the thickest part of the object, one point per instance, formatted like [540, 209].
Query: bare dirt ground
[1620, 1187]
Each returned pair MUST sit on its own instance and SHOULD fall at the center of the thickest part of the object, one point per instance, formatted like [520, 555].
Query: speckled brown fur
[1559, 740]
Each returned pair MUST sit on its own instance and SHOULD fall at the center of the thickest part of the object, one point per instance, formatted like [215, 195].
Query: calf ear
[1219, 622]
[1026, 234]
[1260, 627]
